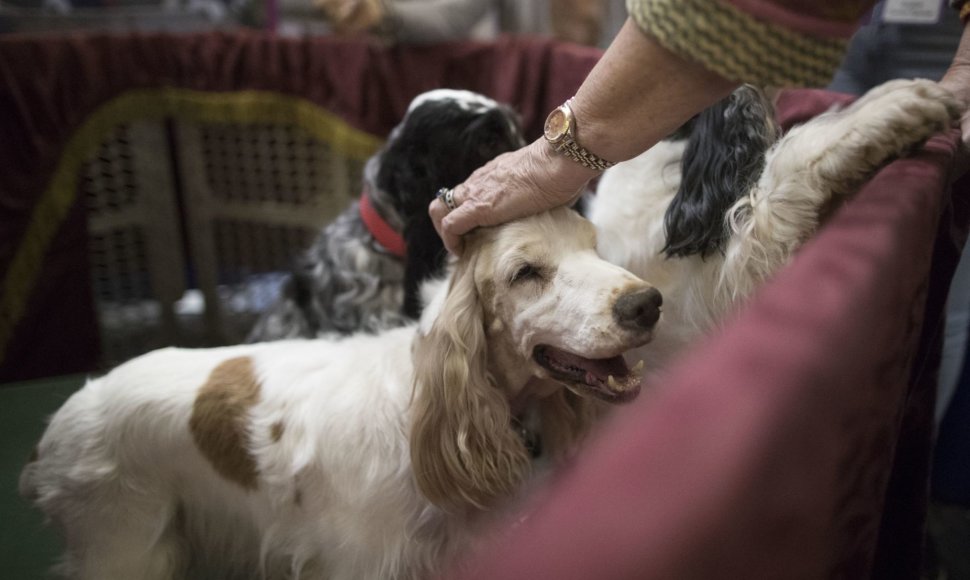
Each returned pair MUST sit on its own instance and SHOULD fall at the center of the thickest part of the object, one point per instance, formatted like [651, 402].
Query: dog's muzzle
[447, 196]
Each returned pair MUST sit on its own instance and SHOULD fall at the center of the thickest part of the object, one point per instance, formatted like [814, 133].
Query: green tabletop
[27, 548]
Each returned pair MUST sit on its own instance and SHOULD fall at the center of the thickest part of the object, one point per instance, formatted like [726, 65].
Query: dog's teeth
[611, 382]
[638, 367]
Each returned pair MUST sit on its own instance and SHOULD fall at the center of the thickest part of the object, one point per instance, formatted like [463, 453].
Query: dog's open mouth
[609, 379]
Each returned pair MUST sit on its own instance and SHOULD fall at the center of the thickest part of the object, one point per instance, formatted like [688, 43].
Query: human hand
[957, 81]
[352, 16]
[513, 185]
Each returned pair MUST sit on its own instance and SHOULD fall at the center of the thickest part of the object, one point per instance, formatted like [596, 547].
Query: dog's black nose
[638, 310]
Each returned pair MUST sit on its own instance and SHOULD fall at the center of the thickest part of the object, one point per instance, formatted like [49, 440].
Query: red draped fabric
[50, 85]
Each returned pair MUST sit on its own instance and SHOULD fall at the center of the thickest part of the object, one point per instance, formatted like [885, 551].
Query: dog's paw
[879, 91]
[912, 110]
[843, 147]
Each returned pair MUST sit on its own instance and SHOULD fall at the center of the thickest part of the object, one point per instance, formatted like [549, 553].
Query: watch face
[557, 125]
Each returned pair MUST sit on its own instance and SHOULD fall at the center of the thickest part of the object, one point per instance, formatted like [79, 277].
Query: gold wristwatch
[560, 132]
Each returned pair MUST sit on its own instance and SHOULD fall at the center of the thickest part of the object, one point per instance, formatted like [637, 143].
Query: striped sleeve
[736, 45]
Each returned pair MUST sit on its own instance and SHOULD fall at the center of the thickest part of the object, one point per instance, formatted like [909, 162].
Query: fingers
[962, 159]
[957, 81]
[460, 221]
[438, 211]
[513, 185]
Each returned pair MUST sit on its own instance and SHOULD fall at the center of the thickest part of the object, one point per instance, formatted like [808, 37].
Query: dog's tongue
[598, 370]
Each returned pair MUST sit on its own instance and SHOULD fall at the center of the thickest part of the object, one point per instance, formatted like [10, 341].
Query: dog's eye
[526, 272]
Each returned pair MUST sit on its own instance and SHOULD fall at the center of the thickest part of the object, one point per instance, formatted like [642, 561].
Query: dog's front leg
[821, 162]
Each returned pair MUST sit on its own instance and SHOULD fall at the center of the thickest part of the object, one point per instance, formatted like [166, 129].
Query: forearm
[675, 57]
[639, 93]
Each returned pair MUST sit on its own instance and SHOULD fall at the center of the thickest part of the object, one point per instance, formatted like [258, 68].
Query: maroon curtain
[49, 85]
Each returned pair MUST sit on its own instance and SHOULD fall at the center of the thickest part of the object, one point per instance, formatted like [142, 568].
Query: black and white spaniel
[364, 270]
[714, 210]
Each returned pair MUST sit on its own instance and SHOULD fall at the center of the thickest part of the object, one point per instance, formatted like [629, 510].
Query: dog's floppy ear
[464, 451]
[425, 256]
[724, 157]
[410, 186]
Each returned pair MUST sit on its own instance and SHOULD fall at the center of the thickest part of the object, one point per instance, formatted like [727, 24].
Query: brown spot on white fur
[219, 422]
[276, 431]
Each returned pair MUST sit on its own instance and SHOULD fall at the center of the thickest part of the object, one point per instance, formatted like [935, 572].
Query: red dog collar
[385, 235]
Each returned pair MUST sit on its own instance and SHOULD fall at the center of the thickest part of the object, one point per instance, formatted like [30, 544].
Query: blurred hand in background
[352, 16]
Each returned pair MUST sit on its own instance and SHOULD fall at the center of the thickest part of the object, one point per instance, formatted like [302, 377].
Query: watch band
[579, 154]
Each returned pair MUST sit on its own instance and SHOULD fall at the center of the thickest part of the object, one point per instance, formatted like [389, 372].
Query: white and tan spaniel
[368, 457]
